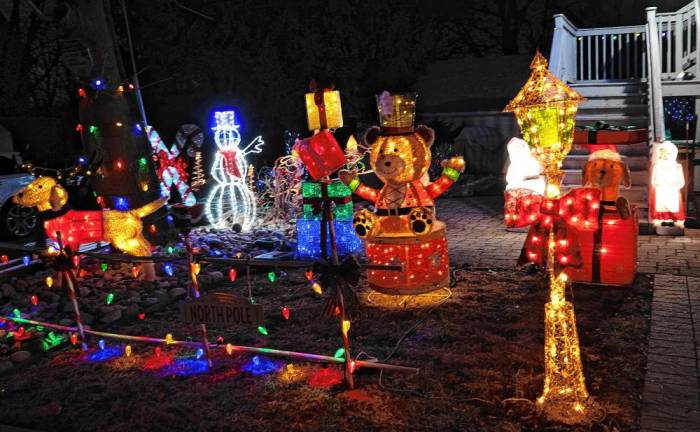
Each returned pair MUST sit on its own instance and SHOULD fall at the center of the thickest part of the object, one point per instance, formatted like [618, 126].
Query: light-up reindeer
[230, 201]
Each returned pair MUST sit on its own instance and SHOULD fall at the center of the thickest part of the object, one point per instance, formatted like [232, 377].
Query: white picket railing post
[563, 54]
[696, 4]
[656, 109]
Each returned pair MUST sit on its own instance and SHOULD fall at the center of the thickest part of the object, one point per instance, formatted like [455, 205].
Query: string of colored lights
[228, 347]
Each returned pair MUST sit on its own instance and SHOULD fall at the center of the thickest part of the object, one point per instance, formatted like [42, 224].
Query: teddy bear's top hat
[396, 112]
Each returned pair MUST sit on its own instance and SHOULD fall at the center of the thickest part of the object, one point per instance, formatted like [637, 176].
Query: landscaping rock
[111, 317]
[178, 293]
[20, 356]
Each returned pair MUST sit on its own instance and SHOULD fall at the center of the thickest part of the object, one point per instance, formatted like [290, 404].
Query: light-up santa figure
[230, 201]
[667, 180]
[524, 171]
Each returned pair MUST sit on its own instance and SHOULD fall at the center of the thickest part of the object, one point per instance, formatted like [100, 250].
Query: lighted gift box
[609, 254]
[323, 110]
[76, 228]
[605, 136]
[320, 154]
[309, 239]
[522, 207]
[425, 260]
[315, 193]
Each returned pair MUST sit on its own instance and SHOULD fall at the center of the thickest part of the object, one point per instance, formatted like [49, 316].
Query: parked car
[15, 221]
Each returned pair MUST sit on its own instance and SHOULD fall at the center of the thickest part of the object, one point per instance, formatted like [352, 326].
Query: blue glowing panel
[261, 366]
[102, 355]
[309, 238]
[121, 203]
[186, 366]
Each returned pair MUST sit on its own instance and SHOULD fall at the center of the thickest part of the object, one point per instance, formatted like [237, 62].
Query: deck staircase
[616, 104]
[624, 75]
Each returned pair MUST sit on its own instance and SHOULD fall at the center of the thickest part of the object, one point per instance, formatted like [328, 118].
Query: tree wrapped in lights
[126, 177]
[231, 201]
[545, 109]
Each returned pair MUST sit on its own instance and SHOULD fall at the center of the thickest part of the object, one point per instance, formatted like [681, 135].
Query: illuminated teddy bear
[400, 156]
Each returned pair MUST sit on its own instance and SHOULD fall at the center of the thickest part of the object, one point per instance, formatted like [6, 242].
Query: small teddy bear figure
[667, 180]
[400, 156]
[524, 171]
[605, 170]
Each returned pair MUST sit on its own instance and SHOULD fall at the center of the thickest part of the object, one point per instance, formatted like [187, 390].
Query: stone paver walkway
[476, 236]
[671, 396]
[671, 402]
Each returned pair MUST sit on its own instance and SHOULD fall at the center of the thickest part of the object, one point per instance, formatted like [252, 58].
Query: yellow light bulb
[346, 327]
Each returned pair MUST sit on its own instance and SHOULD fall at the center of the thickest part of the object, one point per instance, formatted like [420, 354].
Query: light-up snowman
[230, 201]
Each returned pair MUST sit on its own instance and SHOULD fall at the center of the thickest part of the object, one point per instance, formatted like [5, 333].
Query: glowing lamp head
[545, 109]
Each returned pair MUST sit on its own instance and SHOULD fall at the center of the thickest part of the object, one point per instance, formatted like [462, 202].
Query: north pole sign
[221, 309]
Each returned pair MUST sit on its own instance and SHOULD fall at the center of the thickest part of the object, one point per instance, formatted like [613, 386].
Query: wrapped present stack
[322, 156]
[310, 236]
[320, 152]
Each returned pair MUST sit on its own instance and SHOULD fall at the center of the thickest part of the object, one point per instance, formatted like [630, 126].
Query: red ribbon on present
[320, 101]
[577, 210]
[230, 164]
[165, 161]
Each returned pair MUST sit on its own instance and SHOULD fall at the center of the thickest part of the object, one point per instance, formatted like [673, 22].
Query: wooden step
[610, 89]
[634, 163]
[573, 177]
[616, 118]
[636, 149]
[636, 102]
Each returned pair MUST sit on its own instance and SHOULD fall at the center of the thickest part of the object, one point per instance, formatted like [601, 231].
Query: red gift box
[610, 252]
[320, 153]
[76, 227]
[629, 136]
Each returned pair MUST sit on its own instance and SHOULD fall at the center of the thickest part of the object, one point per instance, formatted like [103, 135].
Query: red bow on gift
[320, 102]
[166, 160]
[577, 210]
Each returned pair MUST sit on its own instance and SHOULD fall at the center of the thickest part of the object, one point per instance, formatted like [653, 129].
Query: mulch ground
[480, 355]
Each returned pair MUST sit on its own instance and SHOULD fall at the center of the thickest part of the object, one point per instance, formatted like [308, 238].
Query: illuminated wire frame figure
[230, 200]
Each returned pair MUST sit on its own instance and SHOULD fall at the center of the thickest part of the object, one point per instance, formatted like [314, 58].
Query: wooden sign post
[221, 309]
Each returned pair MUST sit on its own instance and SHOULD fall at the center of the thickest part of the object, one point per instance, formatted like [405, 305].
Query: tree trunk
[112, 131]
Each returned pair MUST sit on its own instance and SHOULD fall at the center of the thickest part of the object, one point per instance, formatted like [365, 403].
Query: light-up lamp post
[545, 109]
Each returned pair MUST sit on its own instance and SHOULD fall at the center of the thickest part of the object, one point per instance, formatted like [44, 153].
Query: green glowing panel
[547, 122]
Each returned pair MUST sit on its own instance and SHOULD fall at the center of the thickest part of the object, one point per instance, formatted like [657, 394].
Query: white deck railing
[621, 53]
[661, 50]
